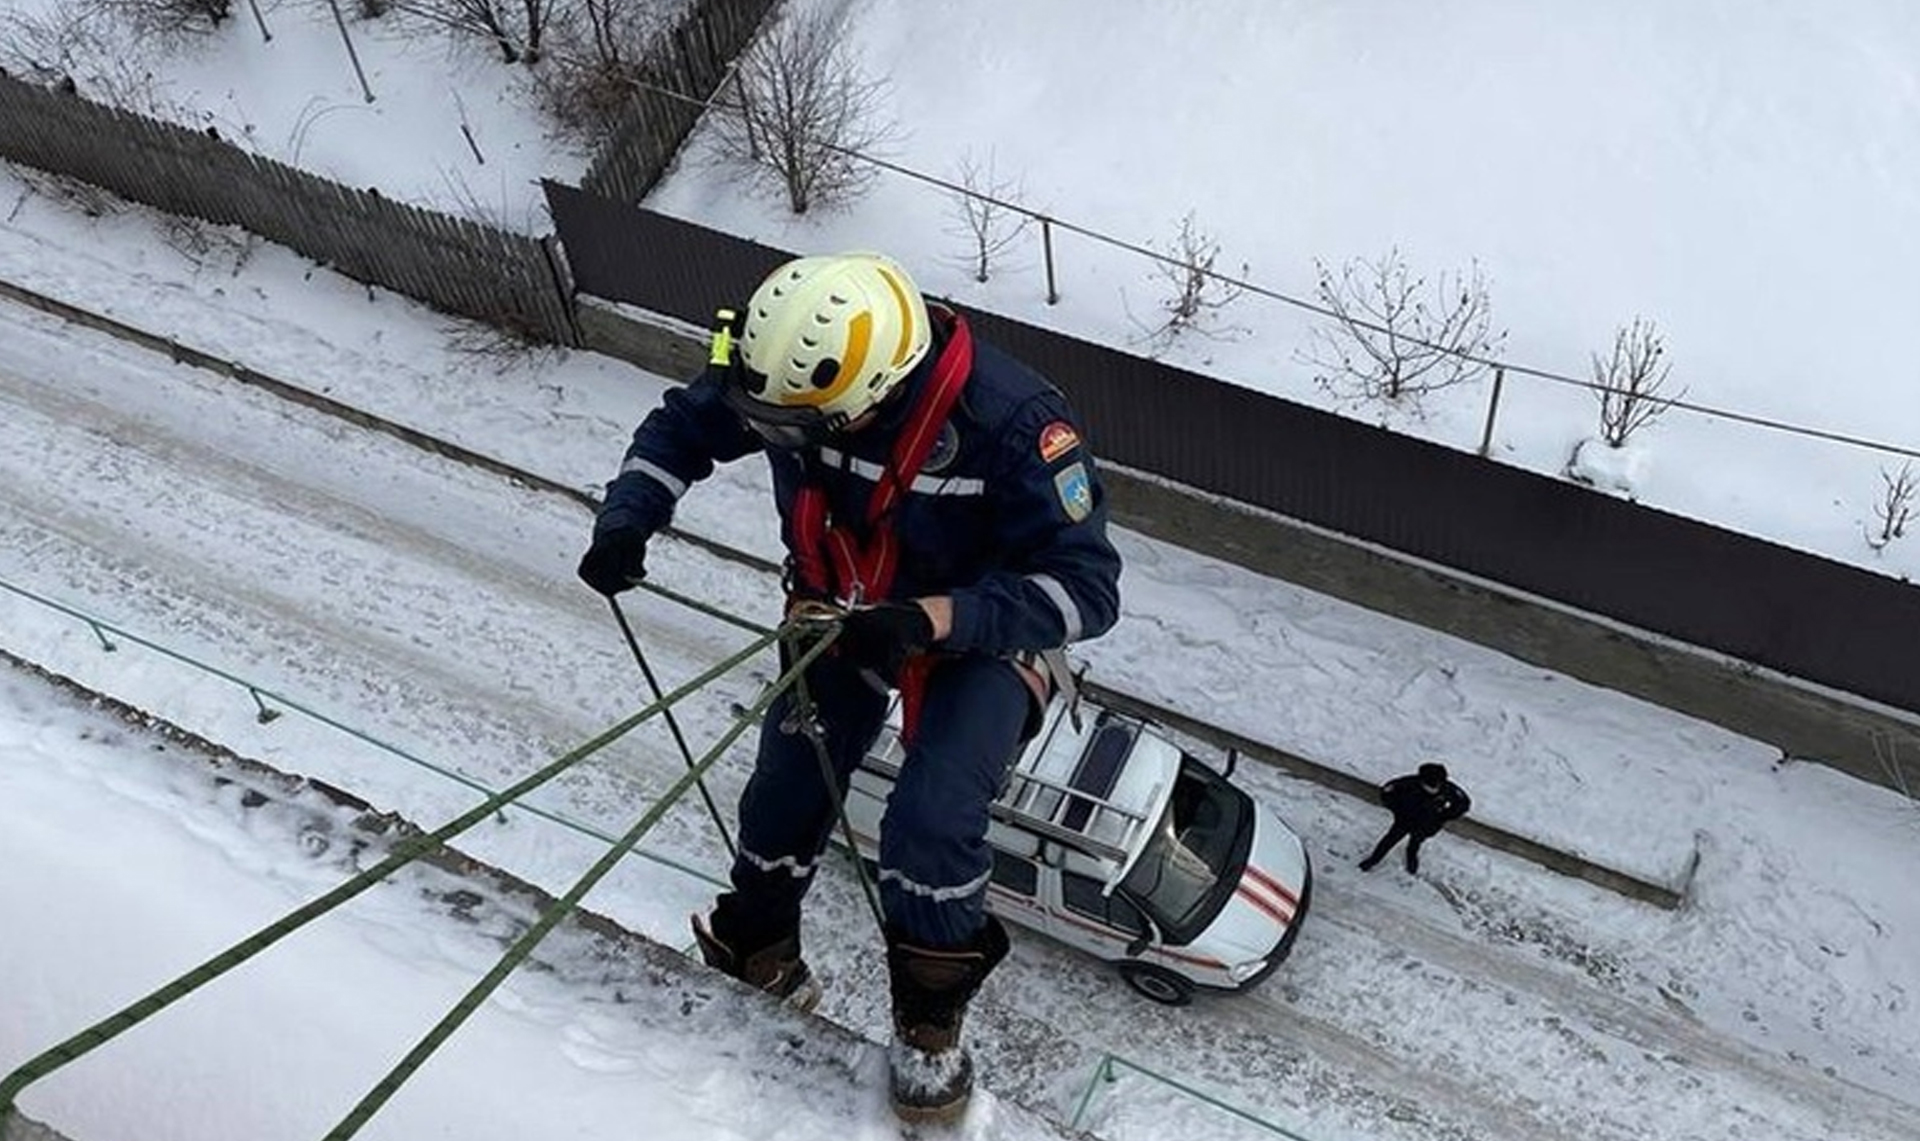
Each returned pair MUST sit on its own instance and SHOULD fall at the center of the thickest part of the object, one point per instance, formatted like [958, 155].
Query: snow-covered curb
[653, 986]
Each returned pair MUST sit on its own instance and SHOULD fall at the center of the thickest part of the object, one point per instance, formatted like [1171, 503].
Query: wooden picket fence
[458, 266]
[685, 68]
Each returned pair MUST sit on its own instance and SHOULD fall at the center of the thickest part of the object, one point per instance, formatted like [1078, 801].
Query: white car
[1110, 838]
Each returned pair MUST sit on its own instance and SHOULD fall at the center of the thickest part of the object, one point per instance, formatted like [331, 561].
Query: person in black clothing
[1421, 802]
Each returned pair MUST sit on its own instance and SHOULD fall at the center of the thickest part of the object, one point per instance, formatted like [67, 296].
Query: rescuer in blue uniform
[941, 493]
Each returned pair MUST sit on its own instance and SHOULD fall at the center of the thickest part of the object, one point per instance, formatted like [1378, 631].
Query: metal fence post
[1046, 242]
[354, 56]
[1493, 406]
[265, 712]
[1101, 1073]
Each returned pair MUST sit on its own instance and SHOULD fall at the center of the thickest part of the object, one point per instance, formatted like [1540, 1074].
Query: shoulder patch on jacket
[1075, 489]
[1056, 440]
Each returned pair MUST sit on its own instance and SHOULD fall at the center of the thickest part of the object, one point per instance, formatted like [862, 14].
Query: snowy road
[436, 606]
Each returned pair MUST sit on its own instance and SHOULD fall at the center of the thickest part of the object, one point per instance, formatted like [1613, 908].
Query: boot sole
[946, 1114]
[805, 997]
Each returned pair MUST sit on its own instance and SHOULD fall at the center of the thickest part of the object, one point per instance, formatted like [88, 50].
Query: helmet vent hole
[824, 372]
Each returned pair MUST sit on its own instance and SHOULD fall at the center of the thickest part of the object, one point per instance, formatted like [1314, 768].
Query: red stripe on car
[1278, 888]
[1252, 895]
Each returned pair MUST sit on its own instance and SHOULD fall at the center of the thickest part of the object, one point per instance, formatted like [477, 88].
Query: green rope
[838, 795]
[260, 694]
[1105, 1071]
[403, 853]
[1101, 1072]
[673, 723]
[700, 607]
[386, 1087]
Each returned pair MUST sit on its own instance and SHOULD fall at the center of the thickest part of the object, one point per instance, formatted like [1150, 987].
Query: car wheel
[1157, 983]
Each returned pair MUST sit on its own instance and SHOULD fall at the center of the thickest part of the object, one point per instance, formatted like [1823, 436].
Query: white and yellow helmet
[825, 339]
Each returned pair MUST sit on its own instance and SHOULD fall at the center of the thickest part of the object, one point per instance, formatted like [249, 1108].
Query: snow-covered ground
[1739, 174]
[175, 866]
[432, 608]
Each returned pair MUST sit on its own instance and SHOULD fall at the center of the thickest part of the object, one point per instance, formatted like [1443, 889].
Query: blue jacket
[1007, 515]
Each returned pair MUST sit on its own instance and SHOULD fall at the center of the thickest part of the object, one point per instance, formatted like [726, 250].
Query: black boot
[932, 1073]
[775, 967]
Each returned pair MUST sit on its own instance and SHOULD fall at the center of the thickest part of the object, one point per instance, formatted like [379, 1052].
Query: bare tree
[1392, 338]
[804, 112]
[1895, 508]
[1629, 381]
[1196, 294]
[517, 28]
[983, 215]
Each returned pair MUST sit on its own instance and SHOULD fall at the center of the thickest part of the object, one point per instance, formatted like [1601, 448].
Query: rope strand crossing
[403, 853]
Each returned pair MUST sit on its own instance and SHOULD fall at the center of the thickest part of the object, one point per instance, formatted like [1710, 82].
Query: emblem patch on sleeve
[1075, 489]
[1056, 440]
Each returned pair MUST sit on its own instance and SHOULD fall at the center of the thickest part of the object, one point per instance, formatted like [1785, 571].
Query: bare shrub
[804, 114]
[982, 215]
[516, 28]
[206, 246]
[1195, 293]
[71, 193]
[1629, 380]
[1895, 507]
[83, 47]
[593, 63]
[168, 20]
[1393, 338]
[501, 346]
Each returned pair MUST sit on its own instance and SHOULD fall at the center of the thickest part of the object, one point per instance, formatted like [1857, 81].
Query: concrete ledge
[1021, 1059]
[646, 340]
[1801, 720]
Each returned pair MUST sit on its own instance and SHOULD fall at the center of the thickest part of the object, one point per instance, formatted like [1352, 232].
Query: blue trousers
[934, 858]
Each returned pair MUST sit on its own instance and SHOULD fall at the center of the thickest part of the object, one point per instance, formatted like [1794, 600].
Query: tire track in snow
[219, 543]
[1837, 1104]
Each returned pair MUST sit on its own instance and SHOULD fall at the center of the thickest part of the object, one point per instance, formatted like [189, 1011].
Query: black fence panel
[676, 268]
[1808, 617]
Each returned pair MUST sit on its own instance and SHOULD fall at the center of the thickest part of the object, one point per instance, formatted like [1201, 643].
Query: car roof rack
[1077, 811]
[1076, 818]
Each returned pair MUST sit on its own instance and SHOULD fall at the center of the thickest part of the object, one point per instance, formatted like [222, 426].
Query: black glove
[880, 637]
[616, 560]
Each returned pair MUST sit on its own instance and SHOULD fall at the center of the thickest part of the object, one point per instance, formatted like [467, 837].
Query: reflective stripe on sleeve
[1063, 602]
[922, 484]
[674, 484]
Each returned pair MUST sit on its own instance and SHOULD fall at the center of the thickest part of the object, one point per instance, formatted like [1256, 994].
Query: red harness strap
[831, 560]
